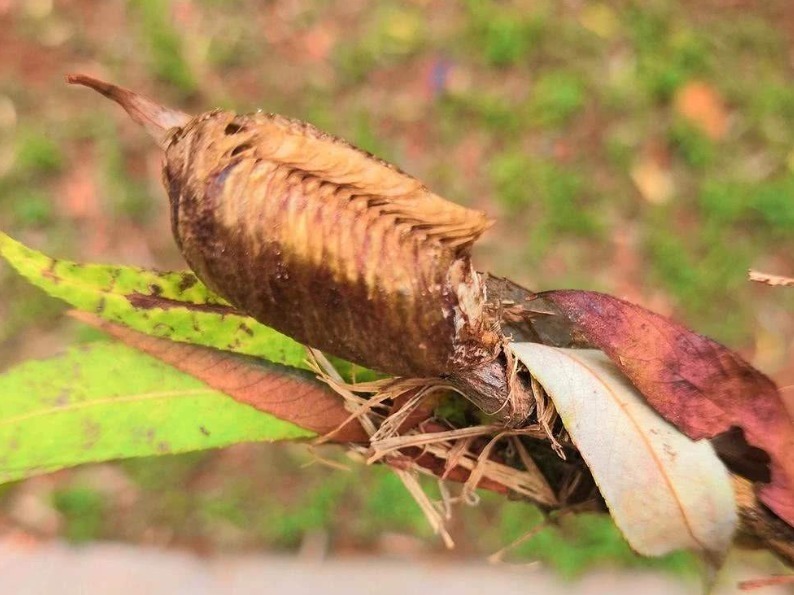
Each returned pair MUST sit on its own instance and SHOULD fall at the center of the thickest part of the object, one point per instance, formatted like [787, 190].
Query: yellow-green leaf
[107, 401]
[173, 305]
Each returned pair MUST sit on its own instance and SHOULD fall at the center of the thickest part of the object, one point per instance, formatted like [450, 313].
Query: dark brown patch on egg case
[328, 245]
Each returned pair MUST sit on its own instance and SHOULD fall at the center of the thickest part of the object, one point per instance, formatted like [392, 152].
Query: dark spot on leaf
[91, 433]
[162, 329]
[155, 289]
[204, 430]
[246, 329]
[49, 273]
[187, 282]
[62, 399]
[147, 302]
[163, 446]
[114, 277]
[101, 305]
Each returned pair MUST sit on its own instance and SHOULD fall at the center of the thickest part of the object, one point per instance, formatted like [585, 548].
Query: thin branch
[767, 279]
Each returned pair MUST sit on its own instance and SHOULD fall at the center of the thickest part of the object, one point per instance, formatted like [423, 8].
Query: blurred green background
[640, 148]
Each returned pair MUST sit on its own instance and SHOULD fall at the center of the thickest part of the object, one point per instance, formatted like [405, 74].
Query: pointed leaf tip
[155, 118]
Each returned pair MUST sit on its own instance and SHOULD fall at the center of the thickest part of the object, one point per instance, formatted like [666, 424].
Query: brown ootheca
[327, 244]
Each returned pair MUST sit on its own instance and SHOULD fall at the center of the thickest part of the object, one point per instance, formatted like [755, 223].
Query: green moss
[393, 32]
[691, 144]
[130, 197]
[555, 98]
[389, 506]
[764, 208]
[163, 473]
[228, 505]
[365, 136]
[668, 52]
[554, 196]
[316, 509]
[83, 510]
[488, 110]
[705, 268]
[32, 208]
[454, 409]
[773, 202]
[576, 543]
[505, 35]
[164, 44]
[37, 153]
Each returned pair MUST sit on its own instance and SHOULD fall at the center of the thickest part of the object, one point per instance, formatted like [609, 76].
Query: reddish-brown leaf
[280, 391]
[697, 384]
[292, 396]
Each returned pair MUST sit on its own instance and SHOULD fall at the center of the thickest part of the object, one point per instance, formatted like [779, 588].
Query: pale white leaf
[664, 491]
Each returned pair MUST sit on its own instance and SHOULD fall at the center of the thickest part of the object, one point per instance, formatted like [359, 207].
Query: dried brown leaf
[278, 390]
[702, 387]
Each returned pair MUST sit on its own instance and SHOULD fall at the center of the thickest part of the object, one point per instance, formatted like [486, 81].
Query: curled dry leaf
[702, 387]
[665, 491]
[278, 390]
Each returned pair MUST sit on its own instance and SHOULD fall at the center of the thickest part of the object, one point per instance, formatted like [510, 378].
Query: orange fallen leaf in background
[703, 107]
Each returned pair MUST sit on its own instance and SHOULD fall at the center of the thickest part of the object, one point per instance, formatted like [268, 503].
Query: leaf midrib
[649, 447]
[132, 398]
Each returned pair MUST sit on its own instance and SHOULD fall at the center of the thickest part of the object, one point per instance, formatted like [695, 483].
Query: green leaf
[107, 401]
[174, 305]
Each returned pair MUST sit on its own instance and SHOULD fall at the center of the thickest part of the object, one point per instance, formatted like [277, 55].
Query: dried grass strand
[432, 515]
[451, 446]
[498, 556]
[515, 480]
[459, 449]
[772, 280]
[546, 414]
[478, 472]
[383, 447]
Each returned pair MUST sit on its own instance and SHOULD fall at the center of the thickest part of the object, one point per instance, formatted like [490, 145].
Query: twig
[759, 583]
[767, 279]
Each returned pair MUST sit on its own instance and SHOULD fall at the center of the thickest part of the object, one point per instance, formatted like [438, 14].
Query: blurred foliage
[82, 509]
[565, 121]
